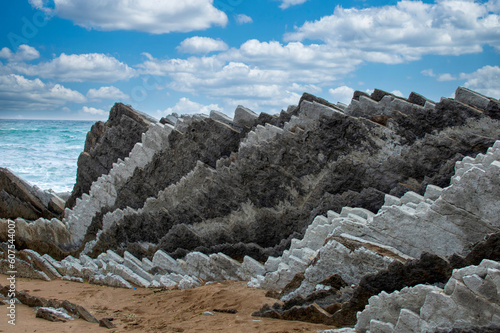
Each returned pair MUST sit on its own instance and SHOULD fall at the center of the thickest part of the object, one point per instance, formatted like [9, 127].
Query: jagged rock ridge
[105, 144]
[285, 175]
[339, 300]
[314, 158]
[20, 199]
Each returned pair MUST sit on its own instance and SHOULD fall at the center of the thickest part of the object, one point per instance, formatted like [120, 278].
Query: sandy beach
[143, 310]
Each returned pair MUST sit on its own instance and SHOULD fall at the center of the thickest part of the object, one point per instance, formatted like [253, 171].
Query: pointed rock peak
[418, 99]
[311, 98]
[378, 94]
[244, 116]
[120, 109]
[358, 94]
[217, 115]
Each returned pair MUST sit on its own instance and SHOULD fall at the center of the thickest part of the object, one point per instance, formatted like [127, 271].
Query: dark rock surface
[428, 268]
[48, 315]
[19, 199]
[106, 143]
[260, 194]
[105, 322]
[35, 301]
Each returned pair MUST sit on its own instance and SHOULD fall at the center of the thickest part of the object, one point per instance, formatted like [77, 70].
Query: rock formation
[20, 199]
[105, 144]
[320, 292]
[342, 203]
[214, 185]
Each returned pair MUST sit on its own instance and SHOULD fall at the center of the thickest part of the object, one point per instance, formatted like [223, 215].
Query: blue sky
[73, 59]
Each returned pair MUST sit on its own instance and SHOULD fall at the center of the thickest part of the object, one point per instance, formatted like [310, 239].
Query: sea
[43, 152]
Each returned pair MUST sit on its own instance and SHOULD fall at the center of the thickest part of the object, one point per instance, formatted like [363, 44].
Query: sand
[143, 310]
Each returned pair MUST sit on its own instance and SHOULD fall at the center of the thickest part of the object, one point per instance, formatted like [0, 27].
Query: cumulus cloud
[428, 72]
[110, 92]
[406, 31]
[152, 16]
[397, 93]
[201, 45]
[485, 80]
[186, 106]
[242, 19]
[20, 93]
[265, 73]
[78, 68]
[93, 111]
[24, 53]
[342, 94]
[288, 3]
[446, 77]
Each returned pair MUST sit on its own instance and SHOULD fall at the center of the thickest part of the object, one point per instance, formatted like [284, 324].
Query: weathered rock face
[470, 298]
[279, 178]
[20, 199]
[105, 144]
[239, 189]
[460, 218]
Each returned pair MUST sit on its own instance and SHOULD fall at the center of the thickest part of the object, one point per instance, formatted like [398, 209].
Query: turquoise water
[43, 152]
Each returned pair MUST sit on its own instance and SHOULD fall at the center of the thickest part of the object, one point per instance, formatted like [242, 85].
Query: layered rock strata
[105, 144]
[470, 298]
[321, 157]
[255, 187]
[20, 199]
[466, 210]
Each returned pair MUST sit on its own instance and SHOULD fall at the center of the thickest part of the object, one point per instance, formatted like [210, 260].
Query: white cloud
[152, 16]
[428, 72]
[288, 3]
[242, 19]
[93, 111]
[201, 45]
[446, 77]
[24, 53]
[342, 94]
[20, 93]
[78, 68]
[485, 80]
[110, 92]
[397, 93]
[406, 31]
[268, 74]
[186, 106]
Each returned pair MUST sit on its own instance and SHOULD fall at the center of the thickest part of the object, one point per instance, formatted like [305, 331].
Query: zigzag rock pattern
[220, 185]
[338, 201]
[105, 144]
[319, 157]
[422, 308]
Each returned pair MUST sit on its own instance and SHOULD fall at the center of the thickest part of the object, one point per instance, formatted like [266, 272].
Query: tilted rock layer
[250, 184]
[105, 144]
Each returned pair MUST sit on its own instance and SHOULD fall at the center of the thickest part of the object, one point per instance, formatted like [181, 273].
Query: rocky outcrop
[105, 144]
[322, 277]
[50, 306]
[469, 298]
[253, 188]
[350, 247]
[20, 199]
[322, 157]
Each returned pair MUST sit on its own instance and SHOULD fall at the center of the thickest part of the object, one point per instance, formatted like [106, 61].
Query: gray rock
[111, 280]
[219, 116]
[19, 199]
[106, 143]
[23, 269]
[244, 116]
[127, 274]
